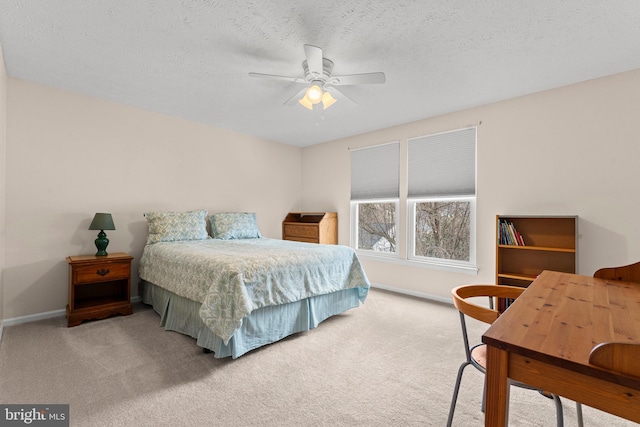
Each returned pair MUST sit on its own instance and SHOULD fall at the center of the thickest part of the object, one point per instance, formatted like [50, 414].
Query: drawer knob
[102, 272]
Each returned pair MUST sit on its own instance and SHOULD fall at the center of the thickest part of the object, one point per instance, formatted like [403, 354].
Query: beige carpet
[391, 362]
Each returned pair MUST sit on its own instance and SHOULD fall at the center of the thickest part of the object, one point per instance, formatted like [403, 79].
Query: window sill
[470, 270]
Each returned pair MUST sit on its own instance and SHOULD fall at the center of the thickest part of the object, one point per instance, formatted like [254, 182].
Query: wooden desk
[545, 337]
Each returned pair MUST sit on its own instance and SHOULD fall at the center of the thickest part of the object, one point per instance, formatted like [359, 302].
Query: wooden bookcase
[311, 227]
[550, 243]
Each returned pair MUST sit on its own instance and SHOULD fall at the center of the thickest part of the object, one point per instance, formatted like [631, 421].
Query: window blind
[375, 172]
[443, 164]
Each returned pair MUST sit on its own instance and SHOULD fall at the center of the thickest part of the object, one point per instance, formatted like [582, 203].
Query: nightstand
[99, 287]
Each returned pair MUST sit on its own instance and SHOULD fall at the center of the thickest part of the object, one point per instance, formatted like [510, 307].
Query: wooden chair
[617, 356]
[627, 273]
[620, 357]
[476, 355]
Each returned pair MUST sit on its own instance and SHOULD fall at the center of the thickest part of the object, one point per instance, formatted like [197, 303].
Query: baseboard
[422, 295]
[42, 316]
[34, 317]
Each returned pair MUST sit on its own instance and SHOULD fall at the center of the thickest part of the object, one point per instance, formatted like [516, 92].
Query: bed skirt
[263, 326]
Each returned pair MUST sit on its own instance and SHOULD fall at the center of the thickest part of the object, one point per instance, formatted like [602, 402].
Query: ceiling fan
[320, 81]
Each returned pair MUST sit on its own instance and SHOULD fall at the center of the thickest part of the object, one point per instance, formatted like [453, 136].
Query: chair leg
[484, 395]
[559, 414]
[456, 389]
[579, 410]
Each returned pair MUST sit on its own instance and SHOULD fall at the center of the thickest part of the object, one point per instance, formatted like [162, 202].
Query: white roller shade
[443, 164]
[375, 172]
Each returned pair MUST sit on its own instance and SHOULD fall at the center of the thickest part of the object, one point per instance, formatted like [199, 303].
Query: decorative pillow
[234, 225]
[173, 226]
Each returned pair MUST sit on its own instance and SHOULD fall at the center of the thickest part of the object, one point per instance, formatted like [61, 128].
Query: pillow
[173, 226]
[234, 225]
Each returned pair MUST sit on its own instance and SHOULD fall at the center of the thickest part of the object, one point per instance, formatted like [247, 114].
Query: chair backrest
[461, 294]
[617, 356]
[627, 273]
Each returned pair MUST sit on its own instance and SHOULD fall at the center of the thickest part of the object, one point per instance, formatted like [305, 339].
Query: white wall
[3, 147]
[70, 155]
[568, 151]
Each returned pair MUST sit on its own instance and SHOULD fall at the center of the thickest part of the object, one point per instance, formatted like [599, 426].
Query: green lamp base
[101, 243]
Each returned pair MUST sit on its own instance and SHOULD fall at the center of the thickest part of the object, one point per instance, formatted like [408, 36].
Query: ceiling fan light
[314, 94]
[327, 100]
[306, 103]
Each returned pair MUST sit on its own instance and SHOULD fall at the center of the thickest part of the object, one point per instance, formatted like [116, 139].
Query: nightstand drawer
[301, 230]
[101, 272]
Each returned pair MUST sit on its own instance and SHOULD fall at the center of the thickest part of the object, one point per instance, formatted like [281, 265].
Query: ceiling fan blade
[273, 76]
[358, 79]
[294, 99]
[340, 96]
[314, 59]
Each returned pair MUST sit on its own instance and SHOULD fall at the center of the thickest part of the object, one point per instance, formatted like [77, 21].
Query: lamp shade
[327, 100]
[305, 102]
[314, 94]
[102, 221]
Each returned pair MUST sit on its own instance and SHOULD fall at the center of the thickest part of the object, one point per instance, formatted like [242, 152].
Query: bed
[234, 290]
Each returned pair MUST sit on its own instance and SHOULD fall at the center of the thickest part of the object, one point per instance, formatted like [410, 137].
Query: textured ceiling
[191, 58]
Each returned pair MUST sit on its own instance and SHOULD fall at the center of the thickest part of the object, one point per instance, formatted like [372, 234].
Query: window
[442, 229]
[440, 190]
[374, 198]
[441, 197]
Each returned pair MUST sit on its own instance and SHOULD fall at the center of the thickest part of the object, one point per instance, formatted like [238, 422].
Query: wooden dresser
[312, 227]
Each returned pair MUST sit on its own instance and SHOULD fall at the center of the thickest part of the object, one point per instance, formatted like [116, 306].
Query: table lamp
[102, 221]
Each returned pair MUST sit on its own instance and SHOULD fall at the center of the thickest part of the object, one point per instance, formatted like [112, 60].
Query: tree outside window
[377, 227]
[443, 229]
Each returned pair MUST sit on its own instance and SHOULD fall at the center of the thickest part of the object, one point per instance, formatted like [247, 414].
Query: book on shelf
[508, 235]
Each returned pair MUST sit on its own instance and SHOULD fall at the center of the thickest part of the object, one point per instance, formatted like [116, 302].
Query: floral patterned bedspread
[231, 278]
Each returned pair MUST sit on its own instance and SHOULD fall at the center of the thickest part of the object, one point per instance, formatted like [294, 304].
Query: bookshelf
[545, 243]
